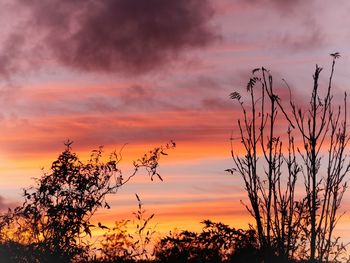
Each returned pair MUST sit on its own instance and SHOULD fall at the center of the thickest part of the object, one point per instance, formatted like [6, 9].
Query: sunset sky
[143, 73]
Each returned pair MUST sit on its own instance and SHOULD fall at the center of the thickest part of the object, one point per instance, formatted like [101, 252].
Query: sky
[142, 73]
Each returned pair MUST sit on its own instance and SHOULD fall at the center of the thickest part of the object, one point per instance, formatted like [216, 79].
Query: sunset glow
[132, 79]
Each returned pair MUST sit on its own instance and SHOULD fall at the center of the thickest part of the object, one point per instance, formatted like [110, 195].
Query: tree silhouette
[319, 124]
[290, 227]
[272, 202]
[55, 218]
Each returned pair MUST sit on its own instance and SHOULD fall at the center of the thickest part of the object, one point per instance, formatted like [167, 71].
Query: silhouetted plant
[272, 197]
[324, 189]
[216, 243]
[143, 233]
[119, 245]
[55, 218]
[116, 244]
[288, 227]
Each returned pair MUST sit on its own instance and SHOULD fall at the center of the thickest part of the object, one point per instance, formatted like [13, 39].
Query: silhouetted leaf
[235, 95]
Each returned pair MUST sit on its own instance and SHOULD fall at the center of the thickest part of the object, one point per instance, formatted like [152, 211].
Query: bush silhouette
[216, 243]
[54, 221]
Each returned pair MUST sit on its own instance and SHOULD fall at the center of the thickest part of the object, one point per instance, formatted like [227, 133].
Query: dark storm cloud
[129, 36]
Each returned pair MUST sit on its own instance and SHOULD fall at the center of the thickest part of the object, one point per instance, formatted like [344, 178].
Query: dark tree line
[216, 243]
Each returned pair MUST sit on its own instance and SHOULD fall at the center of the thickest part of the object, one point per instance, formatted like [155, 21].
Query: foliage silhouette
[54, 221]
[119, 245]
[216, 243]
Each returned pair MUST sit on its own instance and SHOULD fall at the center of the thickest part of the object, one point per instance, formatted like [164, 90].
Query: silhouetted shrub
[119, 245]
[216, 243]
[54, 221]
